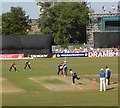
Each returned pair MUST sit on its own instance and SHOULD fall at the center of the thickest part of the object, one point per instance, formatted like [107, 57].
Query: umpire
[27, 63]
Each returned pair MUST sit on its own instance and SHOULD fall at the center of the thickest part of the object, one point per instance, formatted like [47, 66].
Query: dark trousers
[26, 66]
[73, 79]
[59, 70]
[108, 80]
[12, 67]
[65, 71]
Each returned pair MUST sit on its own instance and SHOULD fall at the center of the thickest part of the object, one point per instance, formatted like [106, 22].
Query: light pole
[113, 8]
[103, 8]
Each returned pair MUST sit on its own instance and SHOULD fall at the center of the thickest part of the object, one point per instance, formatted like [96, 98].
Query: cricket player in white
[102, 80]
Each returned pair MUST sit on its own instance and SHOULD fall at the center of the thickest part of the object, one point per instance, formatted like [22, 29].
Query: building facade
[103, 24]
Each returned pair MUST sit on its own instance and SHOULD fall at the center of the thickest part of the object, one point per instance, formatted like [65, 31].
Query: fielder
[27, 63]
[71, 72]
[13, 66]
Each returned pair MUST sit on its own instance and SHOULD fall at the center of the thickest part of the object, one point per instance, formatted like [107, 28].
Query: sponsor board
[80, 54]
[103, 53]
[10, 56]
[40, 56]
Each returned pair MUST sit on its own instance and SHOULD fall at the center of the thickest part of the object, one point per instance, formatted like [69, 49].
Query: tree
[43, 5]
[15, 22]
[66, 22]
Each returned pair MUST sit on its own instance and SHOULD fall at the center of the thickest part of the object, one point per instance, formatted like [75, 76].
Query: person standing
[65, 69]
[13, 66]
[102, 80]
[108, 75]
[27, 63]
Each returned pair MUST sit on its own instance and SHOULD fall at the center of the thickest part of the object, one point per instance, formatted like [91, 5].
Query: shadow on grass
[81, 84]
[110, 88]
[115, 83]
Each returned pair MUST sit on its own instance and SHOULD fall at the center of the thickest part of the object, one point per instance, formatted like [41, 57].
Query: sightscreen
[106, 39]
[29, 44]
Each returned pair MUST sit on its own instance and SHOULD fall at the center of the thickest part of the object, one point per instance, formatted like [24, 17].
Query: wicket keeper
[60, 68]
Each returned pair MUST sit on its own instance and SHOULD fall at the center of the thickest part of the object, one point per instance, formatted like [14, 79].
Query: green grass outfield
[33, 93]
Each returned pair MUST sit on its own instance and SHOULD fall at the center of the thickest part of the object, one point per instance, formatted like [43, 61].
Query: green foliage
[66, 22]
[15, 22]
[64, 45]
